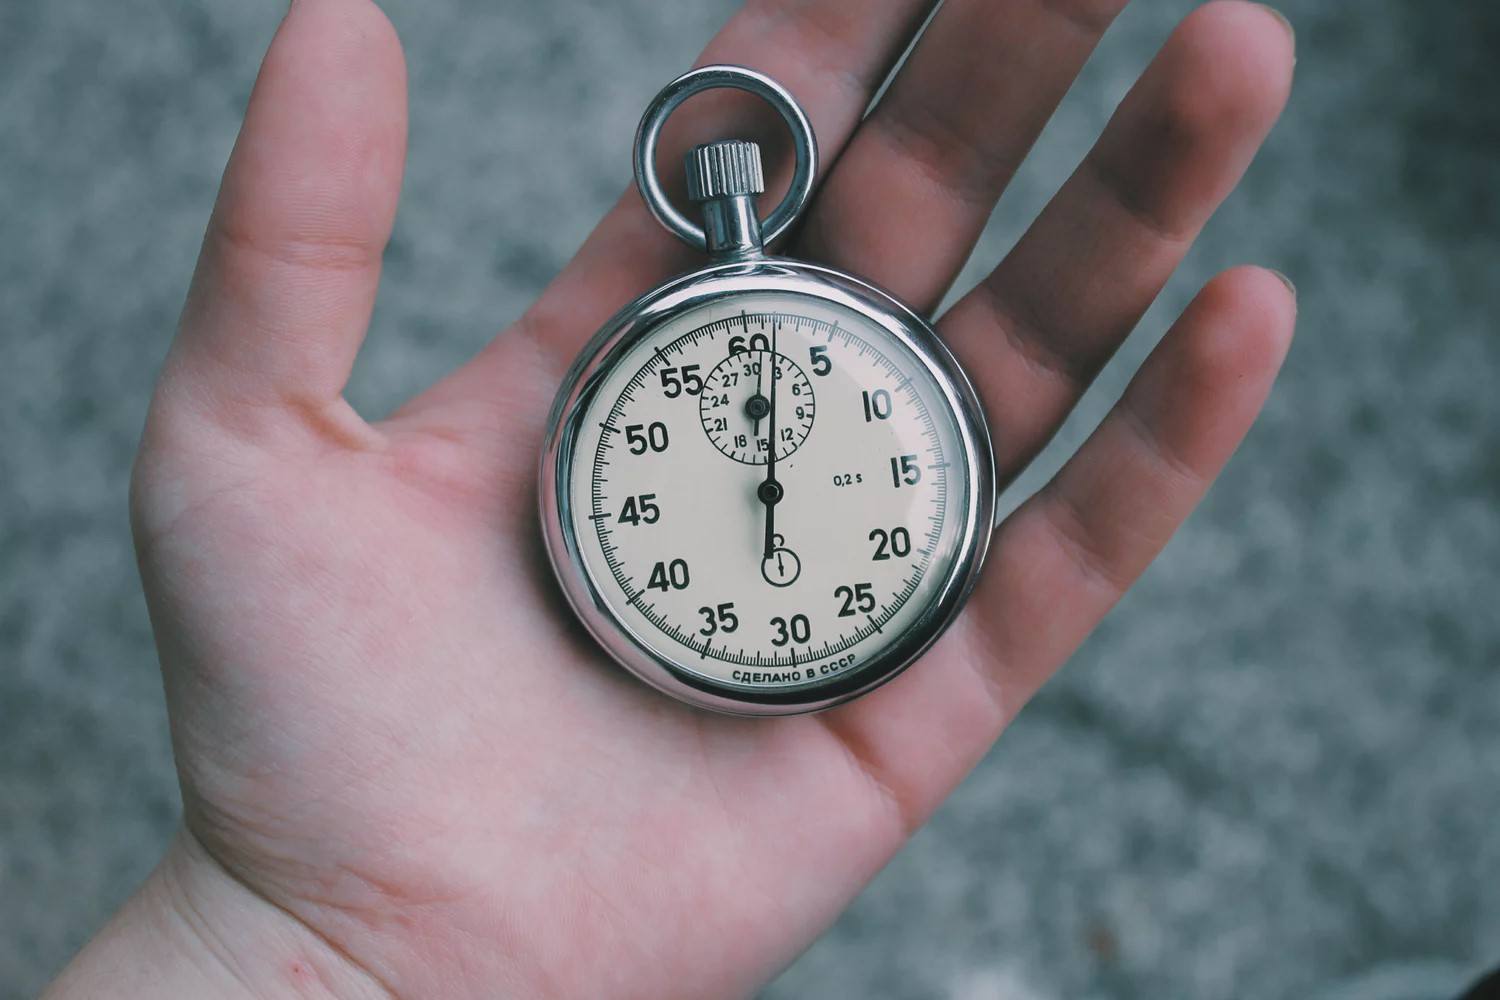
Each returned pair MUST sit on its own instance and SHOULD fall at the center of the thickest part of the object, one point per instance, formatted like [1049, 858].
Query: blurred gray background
[1276, 767]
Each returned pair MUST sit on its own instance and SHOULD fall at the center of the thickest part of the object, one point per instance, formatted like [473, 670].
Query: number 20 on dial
[767, 487]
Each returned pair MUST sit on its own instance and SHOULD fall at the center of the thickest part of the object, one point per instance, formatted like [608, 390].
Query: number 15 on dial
[767, 487]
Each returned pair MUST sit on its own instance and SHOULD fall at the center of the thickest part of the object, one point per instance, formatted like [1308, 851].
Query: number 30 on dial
[767, 500]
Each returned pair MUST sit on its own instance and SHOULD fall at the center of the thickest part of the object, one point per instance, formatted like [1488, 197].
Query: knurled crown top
[723, 169]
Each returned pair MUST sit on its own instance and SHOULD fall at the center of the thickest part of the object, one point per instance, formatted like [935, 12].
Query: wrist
[192, 930]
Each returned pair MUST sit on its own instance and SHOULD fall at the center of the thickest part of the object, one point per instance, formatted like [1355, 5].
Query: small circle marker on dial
[782, 567]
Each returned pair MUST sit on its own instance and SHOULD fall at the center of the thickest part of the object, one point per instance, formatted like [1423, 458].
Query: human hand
[405, 768]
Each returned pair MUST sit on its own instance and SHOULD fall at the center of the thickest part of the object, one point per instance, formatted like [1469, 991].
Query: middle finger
[908, 198]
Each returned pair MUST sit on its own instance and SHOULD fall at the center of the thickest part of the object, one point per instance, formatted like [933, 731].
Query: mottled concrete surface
[1277, 766]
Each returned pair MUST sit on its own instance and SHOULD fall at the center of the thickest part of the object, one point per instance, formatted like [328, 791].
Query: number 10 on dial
[767, 487]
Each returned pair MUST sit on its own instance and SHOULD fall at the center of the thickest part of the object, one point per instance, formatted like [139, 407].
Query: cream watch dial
[757, 407]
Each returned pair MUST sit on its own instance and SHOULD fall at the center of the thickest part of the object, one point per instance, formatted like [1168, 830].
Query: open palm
[391, 733]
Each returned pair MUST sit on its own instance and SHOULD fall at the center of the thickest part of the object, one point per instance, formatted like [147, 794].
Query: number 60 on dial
[767, 486]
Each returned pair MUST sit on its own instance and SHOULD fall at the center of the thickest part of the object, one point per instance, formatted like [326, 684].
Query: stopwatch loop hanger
[724, 177]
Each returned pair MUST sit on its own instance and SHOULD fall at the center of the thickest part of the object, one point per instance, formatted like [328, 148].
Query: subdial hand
[756, 406]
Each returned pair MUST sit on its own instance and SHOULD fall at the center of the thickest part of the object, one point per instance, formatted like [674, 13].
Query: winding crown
[723, 169]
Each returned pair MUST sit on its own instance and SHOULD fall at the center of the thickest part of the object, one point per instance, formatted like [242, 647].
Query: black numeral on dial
[896, 542]
[640, 508]
[676, 381]
[719, 619]
[856, 598]
[756, 342]
[643, 439]
[878, 405]
[905, 470]
[818, 358]
[669, 575]
[798, 629]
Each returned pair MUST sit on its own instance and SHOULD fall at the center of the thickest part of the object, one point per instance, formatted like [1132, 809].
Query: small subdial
[735, 406]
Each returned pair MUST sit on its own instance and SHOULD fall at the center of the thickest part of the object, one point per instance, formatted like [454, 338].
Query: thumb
[290, 264]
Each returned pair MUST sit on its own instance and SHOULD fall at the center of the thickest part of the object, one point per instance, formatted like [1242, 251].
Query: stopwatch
[767, 487]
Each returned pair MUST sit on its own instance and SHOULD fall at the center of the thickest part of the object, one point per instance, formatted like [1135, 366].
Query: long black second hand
[771, 489]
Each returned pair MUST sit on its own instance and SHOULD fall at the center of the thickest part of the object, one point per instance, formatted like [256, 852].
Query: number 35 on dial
[768, 501]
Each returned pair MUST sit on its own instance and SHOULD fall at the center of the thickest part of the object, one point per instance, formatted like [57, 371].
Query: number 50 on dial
[767, 497]
[767, 487]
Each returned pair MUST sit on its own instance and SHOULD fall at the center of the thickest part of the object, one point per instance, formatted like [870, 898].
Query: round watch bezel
[584, 380]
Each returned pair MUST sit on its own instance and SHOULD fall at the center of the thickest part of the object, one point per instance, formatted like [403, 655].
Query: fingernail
[1291, 31]
[1285, 281]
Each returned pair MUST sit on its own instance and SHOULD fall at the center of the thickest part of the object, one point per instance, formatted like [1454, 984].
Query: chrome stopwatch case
[767, 486]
